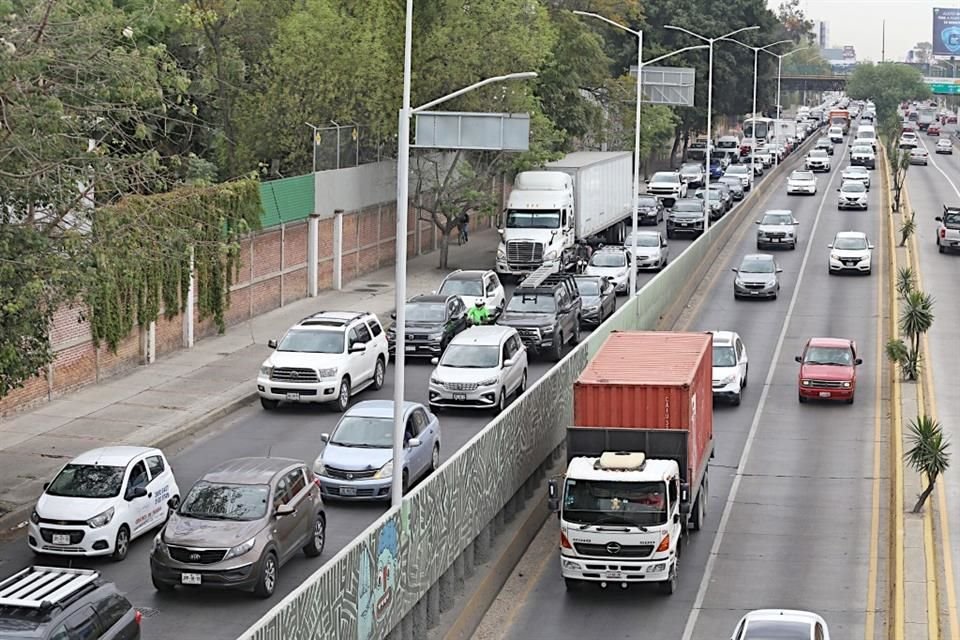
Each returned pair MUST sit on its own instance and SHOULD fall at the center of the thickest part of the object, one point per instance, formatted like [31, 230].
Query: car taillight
[137, 616]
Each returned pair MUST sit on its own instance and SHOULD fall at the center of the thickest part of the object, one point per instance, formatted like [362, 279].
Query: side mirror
[508, 363]
[796, 222]
[173, 502]
[284, 510]
[663, 243]
[798, 358]
[779, 270]
[939, 218]
[414, 442]
[858, 361]
[553, 496]
[46, 485]
[325, 437]
[272, 344]
[358, 347]
[676, 518]
[684, 492]
[434, 360]
[735, 270]
[756, 222]
[869, 246]
[838, 188]
[830, 246]
[393, 315]
[136, 492]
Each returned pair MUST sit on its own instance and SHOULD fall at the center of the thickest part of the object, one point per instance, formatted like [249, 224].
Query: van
[867, 134]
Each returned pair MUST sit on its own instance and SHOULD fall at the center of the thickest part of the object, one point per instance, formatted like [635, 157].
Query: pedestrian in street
[463, 224]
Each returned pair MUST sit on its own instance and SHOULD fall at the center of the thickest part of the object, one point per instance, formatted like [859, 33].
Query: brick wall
[273, 272]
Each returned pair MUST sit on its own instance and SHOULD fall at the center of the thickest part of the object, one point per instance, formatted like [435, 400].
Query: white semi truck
[585, 196]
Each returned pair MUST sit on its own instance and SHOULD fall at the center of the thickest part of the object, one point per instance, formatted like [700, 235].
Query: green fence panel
[286, 200]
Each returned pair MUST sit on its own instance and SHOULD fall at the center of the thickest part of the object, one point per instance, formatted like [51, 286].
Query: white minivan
[101, 500]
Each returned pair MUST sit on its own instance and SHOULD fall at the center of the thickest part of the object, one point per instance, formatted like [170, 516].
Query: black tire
[571, 584]
[268, 404]
[669, 586]
[850, 400]
[737, 398]
[343, 396]
[434, 458]
[269, 574]
[405, 482]
[801, 398]
[319, 538]
[870, 270]
[121, 545]
[746, 377]
[557, 351]
[501, 402]
[669, 235]
[941, 248]
[575, 339]
[160, 585]
[696, 518]
[379, 373]
[523, 384]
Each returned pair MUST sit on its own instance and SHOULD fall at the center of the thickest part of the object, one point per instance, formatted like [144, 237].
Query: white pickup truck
[948, 231]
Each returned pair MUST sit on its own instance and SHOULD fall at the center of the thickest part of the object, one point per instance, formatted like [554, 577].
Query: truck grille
[827, 384]
[523, 251]
[460, 386]
[529, 333]
[614, 550]
[345, 474]
[196, 556]
[291, 374]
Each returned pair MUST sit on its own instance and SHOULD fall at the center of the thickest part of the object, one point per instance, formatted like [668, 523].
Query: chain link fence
[351, 145]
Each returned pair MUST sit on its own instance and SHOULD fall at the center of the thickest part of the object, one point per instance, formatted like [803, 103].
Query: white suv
[101, 500]
[473, 285]
[327, 357]
[851, 251]
[730, 366]
[481, 368]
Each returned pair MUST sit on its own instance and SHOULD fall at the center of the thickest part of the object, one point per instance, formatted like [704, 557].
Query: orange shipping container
[651, 380]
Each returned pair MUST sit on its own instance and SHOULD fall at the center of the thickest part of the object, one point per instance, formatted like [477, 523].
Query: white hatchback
[101, 500]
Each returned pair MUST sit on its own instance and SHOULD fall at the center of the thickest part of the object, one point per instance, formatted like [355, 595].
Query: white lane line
[751, 435]
[937, 167]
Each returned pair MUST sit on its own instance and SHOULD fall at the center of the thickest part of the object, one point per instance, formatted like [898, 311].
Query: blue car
[357, 461]
[716, 169]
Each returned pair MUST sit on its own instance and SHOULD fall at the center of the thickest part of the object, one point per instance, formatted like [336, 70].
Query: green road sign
[945, 89]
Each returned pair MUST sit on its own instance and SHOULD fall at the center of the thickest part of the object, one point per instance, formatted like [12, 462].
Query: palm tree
[917, 316]
[927, 454]
[907, 228]
[905, 281]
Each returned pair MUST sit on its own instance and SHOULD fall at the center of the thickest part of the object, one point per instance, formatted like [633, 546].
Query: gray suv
[238, 525]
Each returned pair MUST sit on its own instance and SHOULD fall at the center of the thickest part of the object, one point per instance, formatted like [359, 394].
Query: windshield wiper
[613, 520]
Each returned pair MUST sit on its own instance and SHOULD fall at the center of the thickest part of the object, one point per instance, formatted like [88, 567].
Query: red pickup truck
[828, 370]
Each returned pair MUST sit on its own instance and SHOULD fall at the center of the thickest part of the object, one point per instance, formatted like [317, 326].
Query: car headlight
[158, 543]
[240, 549]
[834, 256]
[738, 282]
[266, 371]
[488, 383]
[319, 468]
[386, 471]
[101, 520]
[436, 336]
[847, 384]
[435, 380]
[550, 256]
[805, 383]
[547, 328]
[35, 517]
[501, 253]
[728, 380]
[327, 373]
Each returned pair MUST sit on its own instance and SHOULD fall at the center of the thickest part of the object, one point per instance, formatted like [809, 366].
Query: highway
[292, 432]
[929, 188]
[794, 511]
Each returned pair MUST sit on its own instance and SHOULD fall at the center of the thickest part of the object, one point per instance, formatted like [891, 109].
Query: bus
[764, 128]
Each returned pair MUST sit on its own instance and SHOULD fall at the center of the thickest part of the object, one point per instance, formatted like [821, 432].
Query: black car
[718, 200]
[650, 210]
[734, 184]
[545, 310]
[686, 217]
[57, 603]
[826, 144]
[431, 323]
[599, 298]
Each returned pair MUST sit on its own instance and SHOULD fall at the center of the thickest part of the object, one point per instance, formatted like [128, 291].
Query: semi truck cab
[538, 224]
[621, 520]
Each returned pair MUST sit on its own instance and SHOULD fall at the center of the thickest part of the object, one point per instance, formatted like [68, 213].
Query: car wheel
[378, 374]
[669, 235]
[850, 400]
[523, 384]
[870, 270]
[941, 248]
[501, 402]
[319, 538]
[122, 544]
[435, 458]
[575, 339]
[801, 398]
[558, 348]
[405, 482]
[268, 404]
[267, 581]
[746, 376]
[160, 585]
[343, 396]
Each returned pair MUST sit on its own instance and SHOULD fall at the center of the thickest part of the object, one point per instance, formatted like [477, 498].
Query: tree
[928, 454]
[916, 319]
[887, 85]
[795, 22]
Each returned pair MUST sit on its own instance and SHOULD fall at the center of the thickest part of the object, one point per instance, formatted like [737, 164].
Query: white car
[944, 146]
[652, 249]
[667, 185]
[919, 155]
[801, 182]
[908, 140]
[856, 173]
[101, 500]
[765, 624]
[851, 251]
[817, 160]
[612, 263]
[481, 368]
[327, 357]
[743, 172]
[835, 134]
[730, 366]
[473, 285]
[777, 228]
[853, 195]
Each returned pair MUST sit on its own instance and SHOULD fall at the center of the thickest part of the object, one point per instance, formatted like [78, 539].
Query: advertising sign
[946, 31]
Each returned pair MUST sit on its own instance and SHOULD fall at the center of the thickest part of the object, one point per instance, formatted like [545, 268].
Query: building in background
[820, 33]
[841, 59]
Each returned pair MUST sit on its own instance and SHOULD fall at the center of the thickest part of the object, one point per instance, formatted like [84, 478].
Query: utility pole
[883, 42]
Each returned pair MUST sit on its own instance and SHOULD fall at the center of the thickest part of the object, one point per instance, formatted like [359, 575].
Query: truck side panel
[602, 192]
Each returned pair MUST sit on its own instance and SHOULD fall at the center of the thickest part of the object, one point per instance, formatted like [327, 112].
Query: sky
[860, 23]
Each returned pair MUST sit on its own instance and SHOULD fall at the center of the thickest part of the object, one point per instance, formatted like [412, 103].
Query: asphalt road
[789, 521]
[929, 189]
[292, 432]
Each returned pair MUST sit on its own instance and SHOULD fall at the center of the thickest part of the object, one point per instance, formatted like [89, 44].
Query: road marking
[942, 172]
[754, 426]
[533, 580]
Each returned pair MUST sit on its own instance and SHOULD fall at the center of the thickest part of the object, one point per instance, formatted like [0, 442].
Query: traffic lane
[929, 190]
[547, 610]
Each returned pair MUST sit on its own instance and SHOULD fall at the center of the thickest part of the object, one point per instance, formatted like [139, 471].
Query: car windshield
[754, 265]
[224, 501]
[366, 432]
[857, 171]
[532, 303]
[643, 240]
[312, 341]
[519, 219]
[688, 209]
[777, 630]
[952, 218]
[690, 168]
[818, 153]
[862, 149]
[608, 259]
[802, 175]
[426, 311]
[724, 356]
[602, 502]
[588, 286]
[854, 187]
[848, 242]
[645, 202]
[461, 287]
[664, 178]
[824, 141]
[777, 218]
[737, 170]
[829, 355]
[730, 181]
[471, 356]
[87, 481]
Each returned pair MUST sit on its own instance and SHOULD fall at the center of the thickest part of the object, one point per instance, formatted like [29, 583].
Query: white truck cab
[538, 223]
[620, 520]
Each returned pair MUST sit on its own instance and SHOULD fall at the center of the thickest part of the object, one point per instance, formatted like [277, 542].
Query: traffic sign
[945, 89]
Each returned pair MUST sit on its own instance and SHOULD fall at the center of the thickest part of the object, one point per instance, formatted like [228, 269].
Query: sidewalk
[160, 403]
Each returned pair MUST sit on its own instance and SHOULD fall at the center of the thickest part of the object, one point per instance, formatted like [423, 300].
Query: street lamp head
[774, 44]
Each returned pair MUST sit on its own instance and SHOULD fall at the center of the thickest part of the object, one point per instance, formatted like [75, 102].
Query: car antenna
[269, 450]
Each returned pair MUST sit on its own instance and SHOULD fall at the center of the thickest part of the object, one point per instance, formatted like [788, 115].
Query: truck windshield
[604, 502]
[520, 219]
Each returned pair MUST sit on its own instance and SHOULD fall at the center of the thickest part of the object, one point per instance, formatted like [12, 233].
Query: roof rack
[543, 276]
[43, 587]
[318, 318]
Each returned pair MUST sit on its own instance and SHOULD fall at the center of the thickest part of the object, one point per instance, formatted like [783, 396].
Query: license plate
[348, 491]
[459, 396]
[684, 224]
[775, 239]
[61, 538]
[614, 575]
[295, 397]
[824, 394]
[410, 347]
[190, 578]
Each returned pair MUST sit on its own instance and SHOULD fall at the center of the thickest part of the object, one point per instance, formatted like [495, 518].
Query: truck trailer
[637, 459]
[586, 196]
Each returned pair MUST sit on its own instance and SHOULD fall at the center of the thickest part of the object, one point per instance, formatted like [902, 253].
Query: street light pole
[403, 202]
[709, 41]
[779, 107]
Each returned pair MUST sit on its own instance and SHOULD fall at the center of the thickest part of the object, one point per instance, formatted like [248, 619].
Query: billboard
[946, 31]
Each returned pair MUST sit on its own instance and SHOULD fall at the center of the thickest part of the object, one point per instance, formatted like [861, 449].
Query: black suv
[431, 323]
[545, 311]
[54, 603]
[686, 217]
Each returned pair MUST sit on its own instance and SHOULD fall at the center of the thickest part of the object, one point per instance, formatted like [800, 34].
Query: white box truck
[585, 196]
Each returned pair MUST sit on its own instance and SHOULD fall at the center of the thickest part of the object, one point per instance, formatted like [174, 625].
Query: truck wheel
[571, 584]
[669, 586]
[696, 520]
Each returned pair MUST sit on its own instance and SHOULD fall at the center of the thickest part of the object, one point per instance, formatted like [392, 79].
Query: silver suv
[327, 357]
